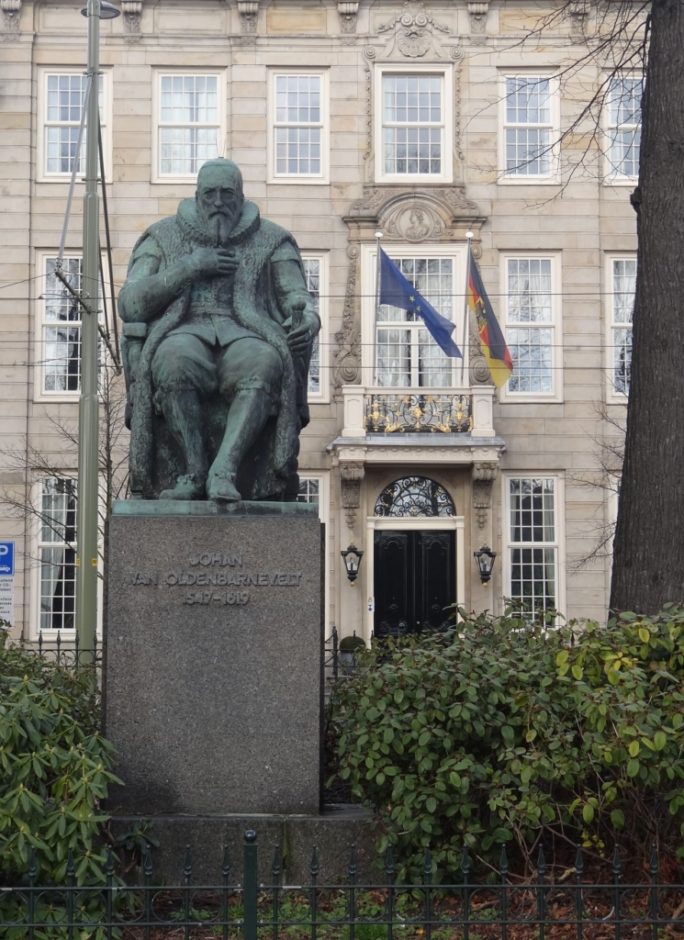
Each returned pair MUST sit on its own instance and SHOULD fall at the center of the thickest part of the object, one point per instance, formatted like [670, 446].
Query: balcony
[371, 411]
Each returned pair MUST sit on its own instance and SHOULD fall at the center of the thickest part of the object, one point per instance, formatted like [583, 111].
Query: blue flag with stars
[398, 291]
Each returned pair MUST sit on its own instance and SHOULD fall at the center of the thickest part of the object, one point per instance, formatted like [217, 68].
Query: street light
[86, 572]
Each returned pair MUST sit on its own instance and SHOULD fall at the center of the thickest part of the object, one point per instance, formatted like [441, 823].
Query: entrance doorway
[414, 557]
[415, 580]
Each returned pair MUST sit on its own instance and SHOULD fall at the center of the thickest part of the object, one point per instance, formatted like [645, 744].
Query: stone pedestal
[213, 658]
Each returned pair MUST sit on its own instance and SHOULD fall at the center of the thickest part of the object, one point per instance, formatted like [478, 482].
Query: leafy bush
[499, 733]
[55, 768]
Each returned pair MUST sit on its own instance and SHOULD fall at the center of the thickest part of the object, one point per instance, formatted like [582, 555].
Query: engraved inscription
[205, 572]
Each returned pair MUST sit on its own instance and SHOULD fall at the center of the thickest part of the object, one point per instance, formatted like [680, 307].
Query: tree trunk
[648, 561]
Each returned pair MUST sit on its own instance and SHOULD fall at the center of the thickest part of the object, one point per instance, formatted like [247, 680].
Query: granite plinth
[213, 661]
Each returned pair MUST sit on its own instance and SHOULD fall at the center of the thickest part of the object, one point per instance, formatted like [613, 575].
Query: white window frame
[105, 86]
[323, 125]
[42, 324]
[613, 325]
[321, 394]
[522, 178]
[331, 572]
[458, 253]
[446, 125]
[613, 174]
[49, 633]
[554, 325]
[556, 545]
[157, 125]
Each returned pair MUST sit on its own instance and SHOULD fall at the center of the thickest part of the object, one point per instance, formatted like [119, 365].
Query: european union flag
[398, 291]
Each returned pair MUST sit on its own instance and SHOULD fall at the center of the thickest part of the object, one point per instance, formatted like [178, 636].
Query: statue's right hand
[210, 262]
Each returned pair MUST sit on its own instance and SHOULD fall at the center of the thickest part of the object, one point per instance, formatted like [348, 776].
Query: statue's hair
[221, 163]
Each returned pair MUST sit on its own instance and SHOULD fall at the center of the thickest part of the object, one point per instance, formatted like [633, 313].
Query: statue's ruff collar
[191, 226]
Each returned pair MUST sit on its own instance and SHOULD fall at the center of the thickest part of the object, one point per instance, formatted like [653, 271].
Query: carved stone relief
[484, 474]
[412, 32]
[11, 10]
[478, 16]
[248, 10]
[348, 339]
[348, 10]
[132, 14]
[351, 475]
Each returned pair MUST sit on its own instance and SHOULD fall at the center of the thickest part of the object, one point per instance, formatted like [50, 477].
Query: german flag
[492, 342]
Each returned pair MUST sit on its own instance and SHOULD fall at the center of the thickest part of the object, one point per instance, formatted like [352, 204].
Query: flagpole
[469, 238]
[378, 239]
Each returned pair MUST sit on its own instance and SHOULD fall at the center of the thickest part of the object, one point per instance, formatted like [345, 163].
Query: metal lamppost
[86, 522]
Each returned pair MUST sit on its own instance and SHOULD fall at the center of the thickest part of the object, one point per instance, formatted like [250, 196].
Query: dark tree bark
[648, 561]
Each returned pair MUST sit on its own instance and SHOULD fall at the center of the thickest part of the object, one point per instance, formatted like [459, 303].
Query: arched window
[414, 496]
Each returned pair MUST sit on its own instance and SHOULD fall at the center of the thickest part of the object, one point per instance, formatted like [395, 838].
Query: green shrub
[55, 768]
[501, 733]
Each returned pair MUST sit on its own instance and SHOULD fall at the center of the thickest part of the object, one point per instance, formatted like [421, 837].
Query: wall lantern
[485, 562]
[352, 560]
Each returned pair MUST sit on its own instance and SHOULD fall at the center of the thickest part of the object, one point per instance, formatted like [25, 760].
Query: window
[530, 127]
[406, 355]
[60, 342]
[531, 319]
[413, 125]
[309, 490]
[622, 273]
[623, 128]
[299, 144]
[533, 543]
[314, 272]
[57, 554]
[63, 105]
[190, 123]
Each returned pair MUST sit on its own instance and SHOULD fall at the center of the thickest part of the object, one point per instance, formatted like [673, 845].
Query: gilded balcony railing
[418, 412]
[375, 410]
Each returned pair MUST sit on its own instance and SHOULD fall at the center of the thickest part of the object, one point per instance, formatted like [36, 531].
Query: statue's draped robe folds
[253, 310]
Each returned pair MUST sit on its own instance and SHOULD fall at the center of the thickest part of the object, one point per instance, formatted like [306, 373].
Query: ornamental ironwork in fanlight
[414, 496]
[423, 413]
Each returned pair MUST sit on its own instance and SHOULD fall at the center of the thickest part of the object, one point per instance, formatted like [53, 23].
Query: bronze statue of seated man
[218, 328]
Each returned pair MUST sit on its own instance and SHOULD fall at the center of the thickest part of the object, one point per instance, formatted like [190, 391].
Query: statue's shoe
[187, 487]
[222, 487]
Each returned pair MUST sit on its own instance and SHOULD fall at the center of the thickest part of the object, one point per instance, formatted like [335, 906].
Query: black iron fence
[249, 909]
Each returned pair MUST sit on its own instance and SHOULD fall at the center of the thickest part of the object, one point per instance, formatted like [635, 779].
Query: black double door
[415, 580]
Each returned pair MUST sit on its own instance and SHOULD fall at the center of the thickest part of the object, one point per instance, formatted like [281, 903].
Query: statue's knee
[255, 366]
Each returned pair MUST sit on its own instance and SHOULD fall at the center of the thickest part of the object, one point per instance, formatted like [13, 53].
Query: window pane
[312, 273]
[189, 109]
[624, 285]
[528, 130]
[309, 491]
[529, 294]
[57, 554]
[410, 356]
[624, 124]
[298, 135]
[61, 333]
[412, 124]
[532, 534]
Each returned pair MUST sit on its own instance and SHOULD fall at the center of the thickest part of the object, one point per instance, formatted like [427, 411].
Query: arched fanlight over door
[414, 496]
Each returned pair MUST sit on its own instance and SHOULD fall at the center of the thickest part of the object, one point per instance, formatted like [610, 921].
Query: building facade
[430, 124]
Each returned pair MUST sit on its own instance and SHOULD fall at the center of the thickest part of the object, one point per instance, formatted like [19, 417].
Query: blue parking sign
[6, 558]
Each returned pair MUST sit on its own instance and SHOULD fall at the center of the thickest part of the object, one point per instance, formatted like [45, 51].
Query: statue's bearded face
[219, 201]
